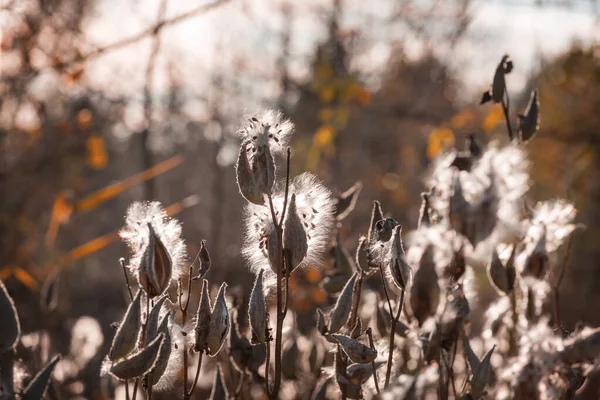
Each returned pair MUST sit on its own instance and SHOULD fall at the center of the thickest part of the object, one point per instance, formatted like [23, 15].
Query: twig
[268, 362]
[395, 319]
[561, 275]
[191, 391]
[127, 389]
[183, 320]
[375, 380]
[141, 35]
[135, 388]
[515, 320]
[122, 262]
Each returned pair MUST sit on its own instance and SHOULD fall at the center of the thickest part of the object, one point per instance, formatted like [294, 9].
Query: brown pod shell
[257, 311]
[38, 385]
[202, 319]
[126, 336]
[355, 350]
[343, 307]
[219, 323]
[139, 363]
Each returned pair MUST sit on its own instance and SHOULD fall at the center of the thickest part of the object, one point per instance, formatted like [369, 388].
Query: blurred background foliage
[89, 125]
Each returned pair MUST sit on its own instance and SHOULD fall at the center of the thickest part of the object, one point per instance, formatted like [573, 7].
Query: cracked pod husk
[219, 323]
[481, 376]
[9, 320]
[139, 363]
[263, 169]
[294, 236]
[248, 188]
[257, 311]
[162, 360]
[202, 319]
[502, 276]
[398, 268]
[205, 262]
[355, 350]
[38, 385]
[343, 307]
[156, 266]
[219, 390]
[152, 322]
[126, 336]
[529, 122]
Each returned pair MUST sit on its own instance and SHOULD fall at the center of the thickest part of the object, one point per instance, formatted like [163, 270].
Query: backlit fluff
[268, 128]
[484, 200]
[136, 234]
[315, 207]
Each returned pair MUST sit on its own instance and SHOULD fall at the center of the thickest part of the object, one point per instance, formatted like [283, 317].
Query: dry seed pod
[139, 363]
[320, 392]
[343, 307]
[263, 169]
[529, 122]
[347, 201]
[398, 267]
[9, 320]
[248, 188]
[376, 216]
[499, 83]
[202, 319]
[219, 390]
[360, 373]
[257, 311]
[240, 349]
[156, 266]
[481, 375]
[204, 259]
[126, 336]
[471, 356]
[357, 330]
[383, 231]
[321, 324]
[537, 263]
[219, 323]
[351, 389]
[294, 236]
[502, 277]
[37, 387]
[164, 353]
[334, 284]
[153, 320]
[356, 351]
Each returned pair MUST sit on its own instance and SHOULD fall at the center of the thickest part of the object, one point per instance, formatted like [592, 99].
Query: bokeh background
[104, 102]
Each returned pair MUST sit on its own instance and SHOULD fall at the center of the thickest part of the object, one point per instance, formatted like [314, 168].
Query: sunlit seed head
[268, 128]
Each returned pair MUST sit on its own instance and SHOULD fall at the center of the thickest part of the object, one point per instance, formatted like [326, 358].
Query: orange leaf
[25, 278]
[97, 157]
[439, 140]
[493, 118]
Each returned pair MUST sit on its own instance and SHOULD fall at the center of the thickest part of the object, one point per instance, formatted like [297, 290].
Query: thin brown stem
[183, 321]
[375, 380]
[198, 367]
[135, 388]
[387, 295]
[122, 262]
[395, 318]
[127, 389]
[561, 275]
[512, 339]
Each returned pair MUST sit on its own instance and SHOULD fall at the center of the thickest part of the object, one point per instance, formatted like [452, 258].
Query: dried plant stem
[281, 307]
[395, 318]
[268, 362]
[506, 109]
[561, 275]
[387, 295]
[198, 367]
[122, 262]
[375, 380]
[127, 389]
[184, 309]
[135, 388]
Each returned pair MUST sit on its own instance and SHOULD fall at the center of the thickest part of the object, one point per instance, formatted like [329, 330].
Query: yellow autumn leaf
[493, 118]
[97, 157]
[327, 93]
[324, 136]
[462, 119]
[439, 140]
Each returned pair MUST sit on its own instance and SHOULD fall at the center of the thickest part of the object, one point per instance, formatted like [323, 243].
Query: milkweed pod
[219, 323]
[156, 266]
[529, 122]
[219, 390]
[202, 319]
[343, 307]
[294, 236]
[355, 350]
[37, 387]
[481, 375]
[399, 269]
[139, 363]
[257, 311]
[165, 351]
[153, 320]
[321, 324]
[205, 262]
[127, 333]
[248, 188]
